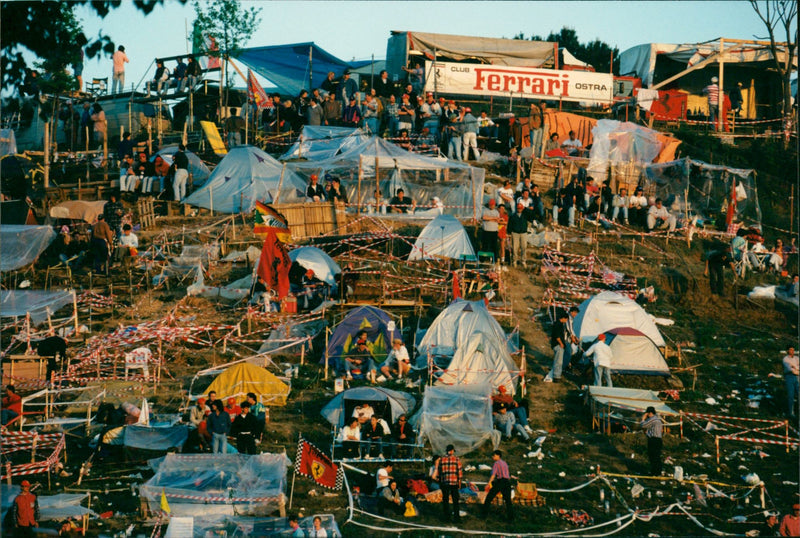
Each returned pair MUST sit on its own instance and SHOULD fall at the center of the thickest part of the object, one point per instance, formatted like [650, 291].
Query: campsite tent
[443, 237]
[387, 404]
[461, 415]
[468, 346]
[23, 244]
[318, 261]
[635, 353]
[244, 176]
[197, 168]
[380, 331]
[237, 380]
[323, 142]
[609, 310]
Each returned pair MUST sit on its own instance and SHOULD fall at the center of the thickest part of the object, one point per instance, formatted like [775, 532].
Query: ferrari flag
[273, 265]
[313, 463]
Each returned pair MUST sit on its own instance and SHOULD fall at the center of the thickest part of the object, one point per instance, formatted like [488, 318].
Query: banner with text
[524, 82]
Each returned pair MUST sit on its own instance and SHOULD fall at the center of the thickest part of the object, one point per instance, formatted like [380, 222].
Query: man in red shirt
[449, 473]
[12, 405]
[25, 511]
[790, 525]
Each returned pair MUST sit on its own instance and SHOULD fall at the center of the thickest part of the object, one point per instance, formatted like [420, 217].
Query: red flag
[456, 287]
[273, 266]
[731, 205]
[256, 93]
[313, 463]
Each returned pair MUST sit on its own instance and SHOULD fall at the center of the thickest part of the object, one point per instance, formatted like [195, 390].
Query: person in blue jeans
[219, 425]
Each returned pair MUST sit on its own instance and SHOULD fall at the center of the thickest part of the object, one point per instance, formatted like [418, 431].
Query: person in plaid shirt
[449, 473]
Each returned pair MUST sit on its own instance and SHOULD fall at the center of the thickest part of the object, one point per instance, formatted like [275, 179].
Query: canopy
[239, 379]
[634, 353]
[200, 172]
[380, 331]
[443, 237]
[203, 484]
[162, 437]
[388, 404]
[287, 66]
[610, 310]
[78, 210]
[318, 261]
[637, 400]
[323, 142]
[470, 347]
[20, 244]
[244, 176]
[18, 303]
[51, 507]
[458, 415]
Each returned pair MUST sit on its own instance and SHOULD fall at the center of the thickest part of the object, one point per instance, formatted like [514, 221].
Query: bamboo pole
[280, 184]
[360, 177]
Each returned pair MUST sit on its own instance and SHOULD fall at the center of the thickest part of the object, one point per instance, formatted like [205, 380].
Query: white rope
[576, 488]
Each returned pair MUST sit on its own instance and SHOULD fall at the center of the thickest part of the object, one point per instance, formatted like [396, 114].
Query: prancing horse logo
[317, 470]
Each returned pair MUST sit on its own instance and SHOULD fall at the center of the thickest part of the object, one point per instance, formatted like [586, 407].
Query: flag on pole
[273, 265]
[731, 205]
[164, 504]
[313, 463]
[456, 287]
[269, 220]
[256, 93]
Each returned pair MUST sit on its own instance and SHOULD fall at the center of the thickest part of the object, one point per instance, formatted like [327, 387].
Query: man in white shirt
[382, 477]
[397, 362]
[128, 243]
[573, 145]
[638, 207]
[602, 360]
[505, 195]
[659, 217]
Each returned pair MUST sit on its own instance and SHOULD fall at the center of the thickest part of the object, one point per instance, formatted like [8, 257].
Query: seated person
[400, 204]
[360, 362]
[620, 205]
[179, 76]
[778, 258]
[376, 204]
[637, 204]
[12, 405]
[403, 140]
[127, 245]
[145, 171]
[198, 412]
[659, 217]
[397, 363]
[425, 141]
[372, 433]
[503, 399]
[363, 413]
[311, 290]
[486, 127]
[390, 498]
[506, 423]
[402, 434]
[315, 191]
[336, 193]
[573, 145]
[160, 79]
[161, 172]
[127, 177]
[435, 209]
[505, 195]
[350, 436]
[193, 73]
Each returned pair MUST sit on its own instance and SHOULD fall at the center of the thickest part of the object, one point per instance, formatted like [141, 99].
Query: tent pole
[360, 176]
[721, 96]
[280, 184]
[310, 70]
[377, 174]
[326, 353]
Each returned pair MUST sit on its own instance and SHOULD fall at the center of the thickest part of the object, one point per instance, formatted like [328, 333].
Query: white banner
[524, 82]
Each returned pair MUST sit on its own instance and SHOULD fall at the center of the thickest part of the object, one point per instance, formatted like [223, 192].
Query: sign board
[523, 82]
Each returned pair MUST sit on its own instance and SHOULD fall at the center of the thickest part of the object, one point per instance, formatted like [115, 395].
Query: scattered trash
[484, 467]
[752, 479]
[562, 474]
[577, 443]
[540, 440]
[711, 401]
[637, 490]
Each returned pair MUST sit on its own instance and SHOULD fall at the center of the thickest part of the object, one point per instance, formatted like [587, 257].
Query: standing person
[736, 98]
[518, 226]
[77, 61]
[490, 218]
[499, 482]
[382, 477]
[118, 75]
[715, 269]
[55, 349]
[790, 524]
[770, 527]
[102, 240]
[180, 166]
[449, 473]
[791, 370]
[99, 124]
[219, 425]
[245, 427]
[86, 124]
[470, 137]
[712, 93]
[558, 341]
[602, 360]
[536, 126]
[25, 511]
[653, 428]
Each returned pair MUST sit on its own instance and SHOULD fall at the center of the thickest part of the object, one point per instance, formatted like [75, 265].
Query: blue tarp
[368, 318]
[286, 66]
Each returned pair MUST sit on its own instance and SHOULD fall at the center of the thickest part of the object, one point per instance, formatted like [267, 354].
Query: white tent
[200, 172]
[323, 142]
[635, 353]
[610, 310]
[459, 415]
[469, 347]
[245, 175]
[318, 261]
[443, 237]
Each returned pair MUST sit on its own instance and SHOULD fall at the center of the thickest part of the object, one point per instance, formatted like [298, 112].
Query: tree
[596, 53]
[227, 23]
[51, 31]
[780, 15]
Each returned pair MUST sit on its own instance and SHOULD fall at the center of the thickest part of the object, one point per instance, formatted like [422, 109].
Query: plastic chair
[485, 254]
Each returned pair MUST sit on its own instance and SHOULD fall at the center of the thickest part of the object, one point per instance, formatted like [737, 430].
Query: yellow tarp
[212, 133]
[239, 379]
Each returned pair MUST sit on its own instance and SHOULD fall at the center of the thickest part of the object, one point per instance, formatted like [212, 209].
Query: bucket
[679, 473]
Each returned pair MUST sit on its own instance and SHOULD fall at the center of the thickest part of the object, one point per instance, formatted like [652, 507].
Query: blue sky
[357, 30]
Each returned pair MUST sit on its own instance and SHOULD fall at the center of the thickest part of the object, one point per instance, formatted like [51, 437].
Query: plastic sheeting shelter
[51, 507]
[203, 526]
[618, 142]
[380, 331]
[461, 415]
[197, 168]
[387, 404]
[318, 261]
[443, 237]
[239, 379]
[84, 210]
[245, 175]
[21, 245]
[18, 303]
[706, 187]
[609, 310]
[323, 142]
[635, 353]
[469, 346]
[637, 400]
[458, 185]
[8, 142]
[287, 66]
[232, 484]
[155, 437]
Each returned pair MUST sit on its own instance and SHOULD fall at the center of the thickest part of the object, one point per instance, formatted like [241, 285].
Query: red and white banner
[524, 82]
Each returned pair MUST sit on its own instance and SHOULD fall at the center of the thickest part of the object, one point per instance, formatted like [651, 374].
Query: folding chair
[98, 86]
